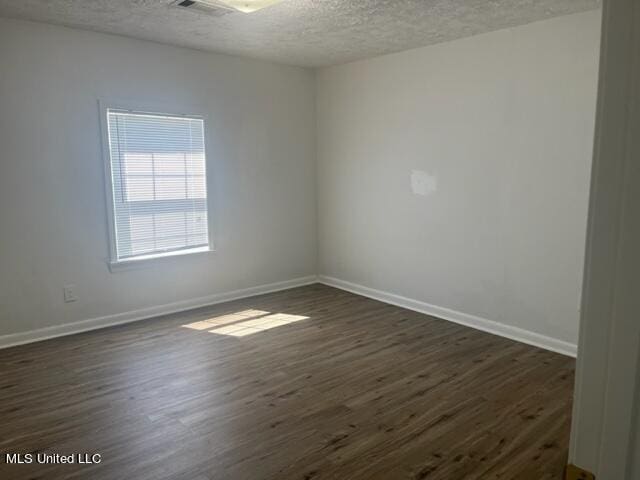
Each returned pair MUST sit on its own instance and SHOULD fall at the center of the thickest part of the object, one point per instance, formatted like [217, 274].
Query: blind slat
[159, 183]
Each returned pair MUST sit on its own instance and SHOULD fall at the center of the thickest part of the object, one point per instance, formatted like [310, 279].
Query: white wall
[503, 124]
[53, 227]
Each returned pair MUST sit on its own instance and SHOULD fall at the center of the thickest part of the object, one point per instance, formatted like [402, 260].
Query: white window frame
[145, 260]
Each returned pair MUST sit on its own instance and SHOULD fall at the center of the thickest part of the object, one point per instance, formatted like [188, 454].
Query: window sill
[153, 260]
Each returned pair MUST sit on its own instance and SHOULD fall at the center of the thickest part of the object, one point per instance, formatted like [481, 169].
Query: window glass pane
[139, 188]
[171, 224]
[170, 188]
[170, 164]
[196, 187]
[137, 164]
[196, 223]
[195, 164]
[142, 246]
[141, 227]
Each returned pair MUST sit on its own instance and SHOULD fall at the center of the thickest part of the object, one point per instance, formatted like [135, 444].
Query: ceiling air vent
[208, 7]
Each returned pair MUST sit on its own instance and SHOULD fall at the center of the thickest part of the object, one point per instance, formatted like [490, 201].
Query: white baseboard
[144, 313]
[490, 326]
[479, 323]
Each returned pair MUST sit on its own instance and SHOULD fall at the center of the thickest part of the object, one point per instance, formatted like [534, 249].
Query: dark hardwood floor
[358, 390]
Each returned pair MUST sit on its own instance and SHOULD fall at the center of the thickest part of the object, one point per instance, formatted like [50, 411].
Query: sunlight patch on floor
[246, 322]
[226, 319]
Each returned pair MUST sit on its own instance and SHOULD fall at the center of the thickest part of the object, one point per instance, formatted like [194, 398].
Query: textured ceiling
[299, 32]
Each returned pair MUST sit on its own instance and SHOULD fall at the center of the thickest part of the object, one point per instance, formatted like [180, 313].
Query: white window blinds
[158, 181]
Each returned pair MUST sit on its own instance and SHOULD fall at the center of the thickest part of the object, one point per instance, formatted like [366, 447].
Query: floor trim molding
[46, 333]
[479, 323]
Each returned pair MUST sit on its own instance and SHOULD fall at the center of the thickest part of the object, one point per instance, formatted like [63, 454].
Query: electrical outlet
[70, 294]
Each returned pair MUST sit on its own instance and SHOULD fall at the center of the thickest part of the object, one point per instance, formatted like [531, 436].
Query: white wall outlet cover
[70, 294]
[422, 183]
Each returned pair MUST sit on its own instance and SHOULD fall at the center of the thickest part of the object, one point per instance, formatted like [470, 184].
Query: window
[157, 184]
